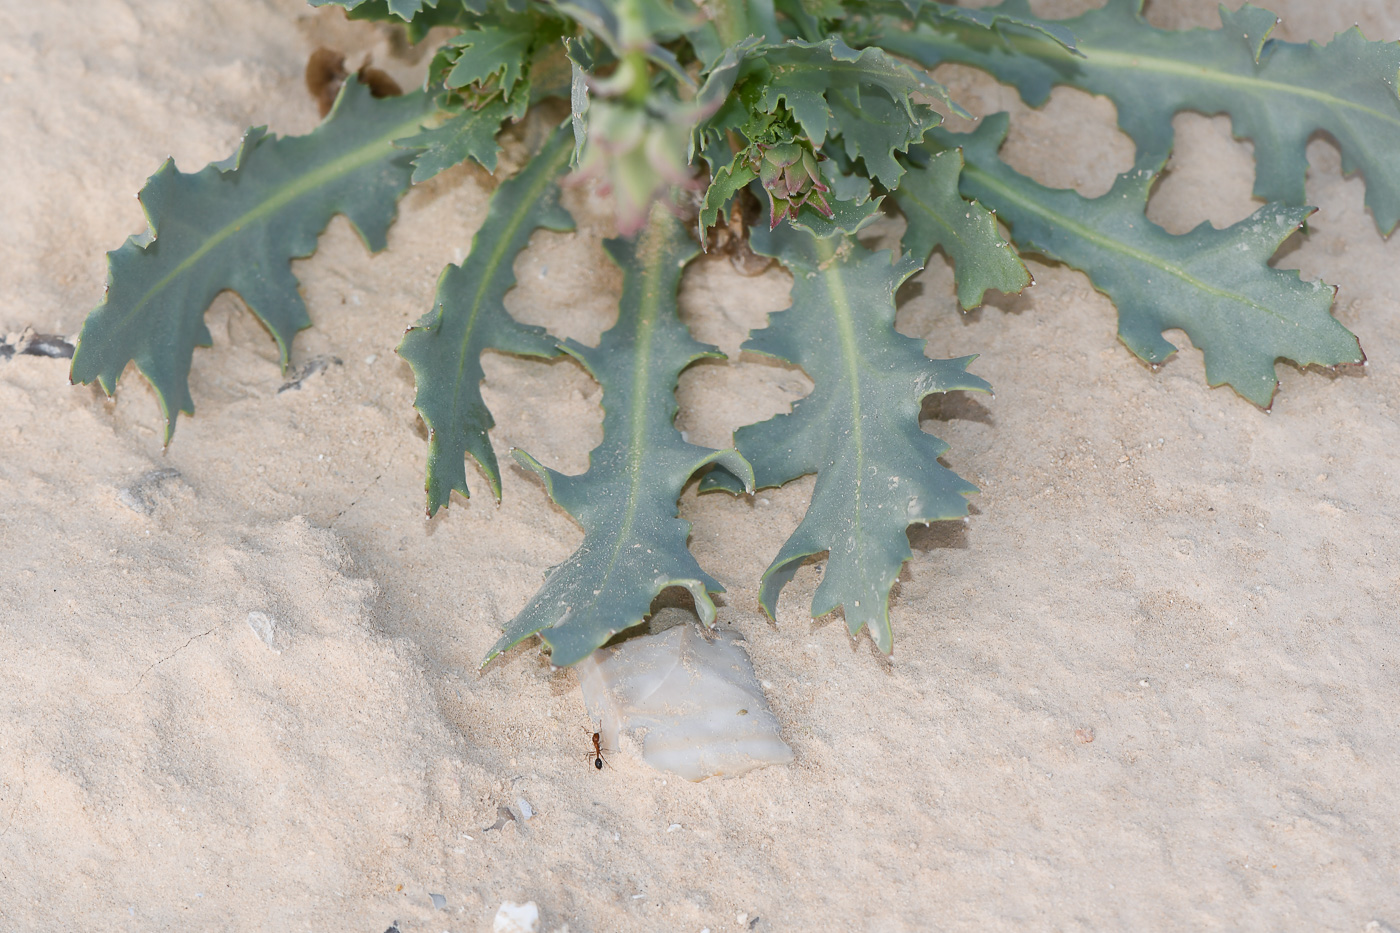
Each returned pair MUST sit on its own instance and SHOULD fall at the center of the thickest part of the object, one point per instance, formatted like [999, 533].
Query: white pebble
[516, 918]
[369, 360]
[673, 827]
[267, 629]
[695, 703]
[524, 806]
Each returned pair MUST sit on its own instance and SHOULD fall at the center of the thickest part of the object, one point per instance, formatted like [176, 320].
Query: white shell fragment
[516, 918]
[267, 628]
[694, 701]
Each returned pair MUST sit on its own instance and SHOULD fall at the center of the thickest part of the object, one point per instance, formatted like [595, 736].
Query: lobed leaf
[418, 15]
[469, 316]
[1278, 94]
[403, 9]
[847, 217]
[866, 98]
[501, 47]
[236, 225]
[877, 471]
[999, 19]
[727, 182]
[467, 134]
[634, 544]
[720, 78]
[939, 217]
[846, 185]
[1216, 285]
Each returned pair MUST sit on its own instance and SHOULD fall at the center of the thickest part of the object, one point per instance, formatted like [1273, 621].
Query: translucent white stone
[516, 918]
[272, 633]
[692, 702]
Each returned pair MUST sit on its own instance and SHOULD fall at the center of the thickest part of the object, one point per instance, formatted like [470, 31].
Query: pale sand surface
[1211, 590]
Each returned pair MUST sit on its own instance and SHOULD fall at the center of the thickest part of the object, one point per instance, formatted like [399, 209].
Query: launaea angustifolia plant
[797, 123]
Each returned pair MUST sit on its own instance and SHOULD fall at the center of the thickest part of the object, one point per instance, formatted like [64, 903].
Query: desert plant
[794, 123]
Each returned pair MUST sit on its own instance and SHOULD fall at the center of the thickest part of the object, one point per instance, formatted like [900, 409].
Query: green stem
[640, 89]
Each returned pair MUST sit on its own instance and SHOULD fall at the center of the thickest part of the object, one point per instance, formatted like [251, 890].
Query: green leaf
[877, 471]
[500, 47]
[938, 216]
[1278, 94]
[721, 75]
[846, 217]
[419, 15]
[236, 225]
[864, 97]
[403, 9]
[634, 545]
[727, 182]
[845, 186]
[468, 134]
[469, 316]
[994, 19]
[1214, 284]
[719, 81]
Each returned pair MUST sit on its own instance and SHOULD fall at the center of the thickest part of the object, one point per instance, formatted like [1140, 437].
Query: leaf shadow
[911, 290]
[1016, 304]
[955, 406]
[924, 539]
[519, 653]
[1288, 247]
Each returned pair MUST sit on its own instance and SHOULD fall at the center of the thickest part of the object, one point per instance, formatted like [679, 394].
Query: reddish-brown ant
[597, 755]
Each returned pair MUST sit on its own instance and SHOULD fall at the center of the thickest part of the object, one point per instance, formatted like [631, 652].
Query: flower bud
[789, 173]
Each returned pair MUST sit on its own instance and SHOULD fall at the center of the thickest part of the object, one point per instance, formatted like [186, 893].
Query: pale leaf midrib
[850, 359]
[1044, 50]
[1117, 246]
[502, 246]
[282, 196]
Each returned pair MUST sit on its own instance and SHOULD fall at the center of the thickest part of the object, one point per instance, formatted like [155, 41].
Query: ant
[597, 755]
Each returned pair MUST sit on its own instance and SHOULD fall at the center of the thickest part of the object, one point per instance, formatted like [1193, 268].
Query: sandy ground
[1207, 591]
